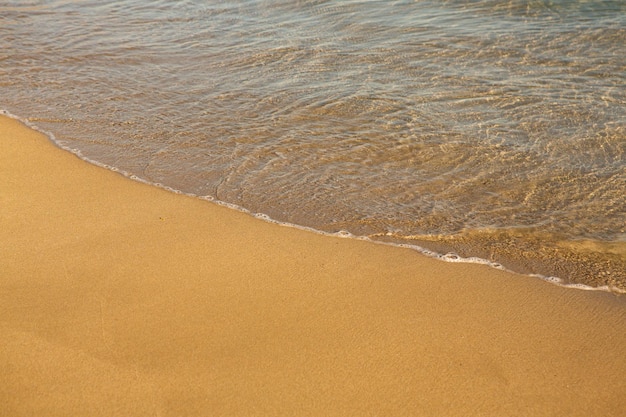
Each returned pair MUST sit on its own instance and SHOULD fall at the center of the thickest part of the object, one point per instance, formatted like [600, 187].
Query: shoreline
[121, 298]
[421, 246]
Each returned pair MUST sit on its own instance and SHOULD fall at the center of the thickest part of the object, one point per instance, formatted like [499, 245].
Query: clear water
[494, 129]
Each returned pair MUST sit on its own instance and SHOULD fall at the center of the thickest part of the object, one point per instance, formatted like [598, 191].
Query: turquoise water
[488, 129]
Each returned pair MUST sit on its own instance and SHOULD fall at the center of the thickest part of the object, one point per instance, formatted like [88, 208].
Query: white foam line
[448, 257]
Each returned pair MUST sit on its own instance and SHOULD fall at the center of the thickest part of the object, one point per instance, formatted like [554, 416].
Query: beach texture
[122, 299]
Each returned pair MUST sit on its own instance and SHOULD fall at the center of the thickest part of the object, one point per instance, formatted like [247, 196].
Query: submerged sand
[121, 299]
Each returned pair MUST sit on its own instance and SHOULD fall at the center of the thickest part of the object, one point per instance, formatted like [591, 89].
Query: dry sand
[121, 299]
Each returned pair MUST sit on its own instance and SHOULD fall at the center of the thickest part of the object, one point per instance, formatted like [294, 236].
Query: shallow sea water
[487, 129]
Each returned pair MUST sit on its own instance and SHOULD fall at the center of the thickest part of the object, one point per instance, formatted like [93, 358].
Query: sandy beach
[122, 299]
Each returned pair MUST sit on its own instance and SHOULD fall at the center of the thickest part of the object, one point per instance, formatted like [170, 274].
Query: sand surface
[122, 299]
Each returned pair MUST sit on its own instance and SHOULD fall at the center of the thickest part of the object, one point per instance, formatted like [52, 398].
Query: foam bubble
[581, 287]
[553, 280]
[451, 257]
[263, 217]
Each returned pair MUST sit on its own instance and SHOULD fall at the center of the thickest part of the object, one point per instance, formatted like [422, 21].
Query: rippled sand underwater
[488, 129]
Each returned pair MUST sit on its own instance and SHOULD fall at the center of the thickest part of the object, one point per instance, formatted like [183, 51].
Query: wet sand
[121, 299]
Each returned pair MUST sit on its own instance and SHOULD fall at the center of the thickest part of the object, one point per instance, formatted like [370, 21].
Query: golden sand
[122, 299]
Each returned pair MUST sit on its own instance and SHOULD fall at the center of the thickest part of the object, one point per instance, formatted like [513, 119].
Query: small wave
[447, 257]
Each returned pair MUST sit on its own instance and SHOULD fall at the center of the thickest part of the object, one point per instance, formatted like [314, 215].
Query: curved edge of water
[448, 257]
